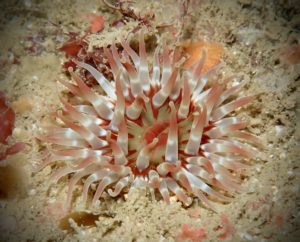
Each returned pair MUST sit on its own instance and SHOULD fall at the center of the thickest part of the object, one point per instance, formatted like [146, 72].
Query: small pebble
[51, 200]
[35, 78]
[246, 236]
[32, 192]
[258, 169]
[279, 129]
[282, 155]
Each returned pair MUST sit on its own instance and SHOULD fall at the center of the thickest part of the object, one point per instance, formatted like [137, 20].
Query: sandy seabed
[255, 36]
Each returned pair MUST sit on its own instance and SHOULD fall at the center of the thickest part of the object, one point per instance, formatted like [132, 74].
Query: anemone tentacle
[169, 129]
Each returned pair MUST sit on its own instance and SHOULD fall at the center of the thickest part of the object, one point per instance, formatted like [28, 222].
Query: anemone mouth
[157, 126]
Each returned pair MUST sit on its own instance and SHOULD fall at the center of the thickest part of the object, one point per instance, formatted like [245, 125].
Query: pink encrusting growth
[190, 234]
[154, 126]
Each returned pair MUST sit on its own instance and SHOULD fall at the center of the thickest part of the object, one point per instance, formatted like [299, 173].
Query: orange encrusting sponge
[194, 50]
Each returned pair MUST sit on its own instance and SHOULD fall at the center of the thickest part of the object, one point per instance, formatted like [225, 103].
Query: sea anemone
[158, 126]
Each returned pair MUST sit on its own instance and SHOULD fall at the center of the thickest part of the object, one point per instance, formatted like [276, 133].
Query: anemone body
[153, 126]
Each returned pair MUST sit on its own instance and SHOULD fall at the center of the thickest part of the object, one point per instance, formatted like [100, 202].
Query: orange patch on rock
[96, 22]
[214, 52]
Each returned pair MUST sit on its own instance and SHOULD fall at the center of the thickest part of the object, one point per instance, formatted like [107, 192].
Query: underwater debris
[10, 58]
[80, 218]
[144, 20]
[34, 44]
[127, 13]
